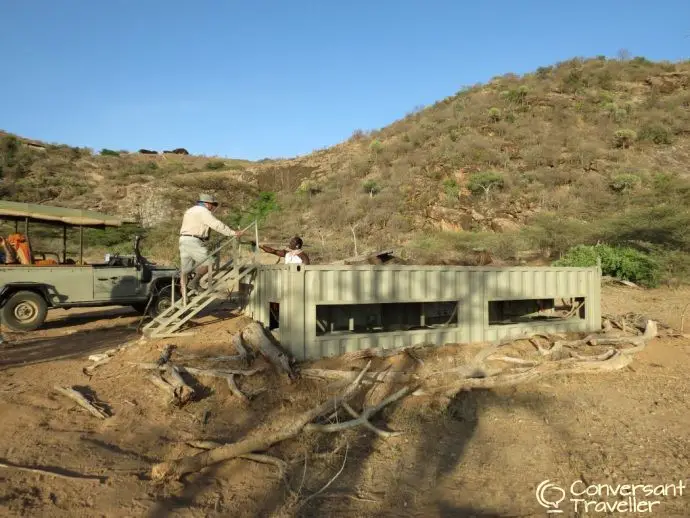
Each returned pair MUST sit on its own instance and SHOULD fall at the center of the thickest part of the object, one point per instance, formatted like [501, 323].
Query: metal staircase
[222, 281]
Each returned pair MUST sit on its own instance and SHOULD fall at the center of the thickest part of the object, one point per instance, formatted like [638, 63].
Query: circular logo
[550, 495]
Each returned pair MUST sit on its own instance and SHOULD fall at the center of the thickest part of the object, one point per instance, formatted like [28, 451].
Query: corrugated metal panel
[299, 289]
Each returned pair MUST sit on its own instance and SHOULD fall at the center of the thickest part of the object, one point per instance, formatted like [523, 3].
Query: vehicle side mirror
[137, 253]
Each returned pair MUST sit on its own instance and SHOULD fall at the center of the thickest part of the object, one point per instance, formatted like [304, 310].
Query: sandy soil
[481, 453]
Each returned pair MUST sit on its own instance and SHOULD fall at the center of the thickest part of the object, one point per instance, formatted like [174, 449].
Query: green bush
[494, 114]
[479, 183]
[376, 146]
[624, 182]
[215, 165]
[258, 210]
[516, 95]
[623, 138]
[371, 187]
[451, 188]
[109, 152]
[620, 262]
[656, 133]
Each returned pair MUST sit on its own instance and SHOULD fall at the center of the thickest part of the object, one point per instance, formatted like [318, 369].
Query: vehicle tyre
[139, 307]
[24, 311]
[161, 302]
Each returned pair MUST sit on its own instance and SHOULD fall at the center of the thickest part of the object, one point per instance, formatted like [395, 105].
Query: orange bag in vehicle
[21, 247]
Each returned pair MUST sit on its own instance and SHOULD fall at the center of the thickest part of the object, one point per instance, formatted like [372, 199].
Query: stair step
[172, 319]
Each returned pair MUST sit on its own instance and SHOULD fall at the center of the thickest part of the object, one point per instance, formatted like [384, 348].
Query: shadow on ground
[45, 349]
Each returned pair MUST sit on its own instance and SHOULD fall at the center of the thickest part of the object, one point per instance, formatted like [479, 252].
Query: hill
[525, 167]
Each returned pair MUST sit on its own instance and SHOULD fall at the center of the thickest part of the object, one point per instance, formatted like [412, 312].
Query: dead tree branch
[245, 354]
[226, 374]
[326, 486]
[256, 338]
[183, 392]
[263, 459]
[81, 401]
[64, 476]
[256, 442]
[363, 418]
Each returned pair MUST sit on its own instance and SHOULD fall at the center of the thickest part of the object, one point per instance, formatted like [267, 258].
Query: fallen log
[570, 366]
[363, 418]
[81, 401]
[183, 392]
[103, 358]
[244, 354]
[166, 354]
[256, 338]
[263, 459]
[229, 377]
[159, 382]
[256, 442]
[376, 352]
[219, 373]
[370, 378]
[65, 475]
[226, 374]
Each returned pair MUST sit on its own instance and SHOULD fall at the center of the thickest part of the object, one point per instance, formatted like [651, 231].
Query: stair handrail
[230, 239]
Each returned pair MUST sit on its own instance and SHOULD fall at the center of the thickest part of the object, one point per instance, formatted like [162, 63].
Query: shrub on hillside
[483, 183]
[451, 188]
[624, 182]
[494, 114]
[109, 152]
[376, 146]
[623, 138]
[656, 133]
[371, 187]
[620, 262]
[516, 95]
[215, 165]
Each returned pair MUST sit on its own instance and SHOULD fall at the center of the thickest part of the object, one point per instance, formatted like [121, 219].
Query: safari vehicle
[35, 281]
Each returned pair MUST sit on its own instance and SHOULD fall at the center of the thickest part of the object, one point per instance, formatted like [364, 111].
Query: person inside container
[293, 254]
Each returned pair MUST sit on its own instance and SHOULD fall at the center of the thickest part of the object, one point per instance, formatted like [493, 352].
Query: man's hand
[239, 233]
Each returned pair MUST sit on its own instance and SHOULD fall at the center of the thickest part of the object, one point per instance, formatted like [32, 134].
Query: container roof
[11, 210]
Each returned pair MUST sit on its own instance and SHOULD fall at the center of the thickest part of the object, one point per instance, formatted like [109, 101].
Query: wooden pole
[81, 244]
[64, 243]
[256, 239]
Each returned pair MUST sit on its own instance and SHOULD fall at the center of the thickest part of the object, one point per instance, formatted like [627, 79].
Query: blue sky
[283, 78]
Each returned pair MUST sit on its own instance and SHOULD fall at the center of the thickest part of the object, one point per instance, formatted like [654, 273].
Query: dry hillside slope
[585, 151]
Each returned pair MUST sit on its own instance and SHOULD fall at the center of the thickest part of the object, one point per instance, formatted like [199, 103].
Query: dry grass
[580, 142]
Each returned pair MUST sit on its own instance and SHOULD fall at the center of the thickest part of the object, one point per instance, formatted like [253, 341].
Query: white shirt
[293, 257]
[198, 220]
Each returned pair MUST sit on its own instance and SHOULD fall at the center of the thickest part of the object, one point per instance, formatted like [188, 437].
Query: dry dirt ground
[480, 453]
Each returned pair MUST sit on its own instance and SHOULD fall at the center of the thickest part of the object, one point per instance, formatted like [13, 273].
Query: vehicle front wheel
[24, 311]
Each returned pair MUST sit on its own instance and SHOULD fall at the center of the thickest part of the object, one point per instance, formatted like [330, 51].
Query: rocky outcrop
[451, 220]
[670, 82]
[503, 225]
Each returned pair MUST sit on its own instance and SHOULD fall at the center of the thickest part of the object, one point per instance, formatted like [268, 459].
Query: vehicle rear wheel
[24, 311]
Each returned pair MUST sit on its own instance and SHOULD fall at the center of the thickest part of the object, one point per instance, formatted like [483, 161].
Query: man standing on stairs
[194, 233]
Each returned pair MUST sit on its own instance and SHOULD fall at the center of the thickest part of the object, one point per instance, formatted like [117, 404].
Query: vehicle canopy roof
[16, 211]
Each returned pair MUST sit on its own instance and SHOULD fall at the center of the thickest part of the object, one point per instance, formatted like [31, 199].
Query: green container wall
[299, 289]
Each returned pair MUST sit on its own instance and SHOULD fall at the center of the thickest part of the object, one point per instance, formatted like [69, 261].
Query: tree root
[257, 442]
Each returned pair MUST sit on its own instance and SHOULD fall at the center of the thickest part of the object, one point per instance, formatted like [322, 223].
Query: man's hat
[208, 198]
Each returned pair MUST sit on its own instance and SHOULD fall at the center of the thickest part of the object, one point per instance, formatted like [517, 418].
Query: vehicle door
[115, 283]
